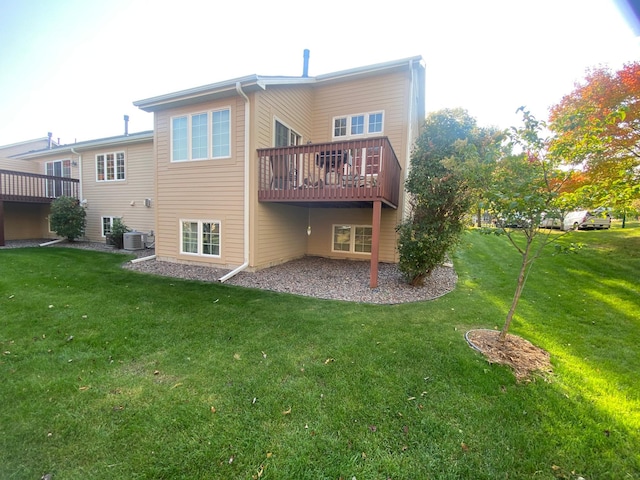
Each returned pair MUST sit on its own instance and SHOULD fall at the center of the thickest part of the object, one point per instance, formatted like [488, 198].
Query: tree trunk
[624, 218]
[517, 294]
[479, 213]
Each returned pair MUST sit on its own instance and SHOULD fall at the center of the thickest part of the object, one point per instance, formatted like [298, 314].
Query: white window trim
[352, 239]
[189, 116]
[111, 219]
[51, 184]
[365, 133]
[115, 166]
[286, 125]
[199, 237]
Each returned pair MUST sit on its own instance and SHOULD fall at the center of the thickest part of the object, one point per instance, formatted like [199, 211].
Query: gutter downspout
[79, 172]
[79, 176]
[247, 113]
[410, 139]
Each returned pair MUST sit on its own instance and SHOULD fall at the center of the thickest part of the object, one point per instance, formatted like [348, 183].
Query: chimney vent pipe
[49, 134]
[305, 68]
[126, 124]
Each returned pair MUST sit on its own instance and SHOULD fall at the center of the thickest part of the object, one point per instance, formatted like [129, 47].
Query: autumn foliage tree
[597, 127]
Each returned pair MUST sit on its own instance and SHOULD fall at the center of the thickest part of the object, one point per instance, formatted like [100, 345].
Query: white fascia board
[194, 94]
[370, 69]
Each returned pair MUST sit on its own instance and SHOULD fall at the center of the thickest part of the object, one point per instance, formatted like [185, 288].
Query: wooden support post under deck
[375, 243]
[1, 223]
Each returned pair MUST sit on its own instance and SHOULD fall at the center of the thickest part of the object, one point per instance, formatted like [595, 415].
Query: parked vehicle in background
[551, 222]
[584, 219]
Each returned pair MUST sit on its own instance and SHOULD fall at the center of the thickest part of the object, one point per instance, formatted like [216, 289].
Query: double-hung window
[358, 125]
[110, 167]
[352, 238]
[201, 136]
[200, 237]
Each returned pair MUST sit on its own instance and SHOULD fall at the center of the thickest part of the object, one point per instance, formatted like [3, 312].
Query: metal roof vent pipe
[126, 125]
[49, 134]
[305, 67]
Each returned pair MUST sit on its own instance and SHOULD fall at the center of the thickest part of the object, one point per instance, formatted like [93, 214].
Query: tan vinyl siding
[19, 165]
[282, 234]
[24, 221]
[323, 219]
[115, 198]
[201, 190]
[280, 230]
[292, 106]
[388, 93]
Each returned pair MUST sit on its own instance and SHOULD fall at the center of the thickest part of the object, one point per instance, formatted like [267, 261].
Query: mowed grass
[108, 373]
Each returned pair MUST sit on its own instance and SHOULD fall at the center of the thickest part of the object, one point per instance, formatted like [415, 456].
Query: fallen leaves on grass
[522, 356]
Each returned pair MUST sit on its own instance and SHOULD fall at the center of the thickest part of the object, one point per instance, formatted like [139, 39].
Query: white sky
[74, 67]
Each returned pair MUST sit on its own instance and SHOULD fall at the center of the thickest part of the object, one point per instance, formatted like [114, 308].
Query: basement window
[352, 238]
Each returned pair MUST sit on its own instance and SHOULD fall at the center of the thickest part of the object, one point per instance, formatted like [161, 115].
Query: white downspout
[247, 119]
[79, 172]
[410, 140]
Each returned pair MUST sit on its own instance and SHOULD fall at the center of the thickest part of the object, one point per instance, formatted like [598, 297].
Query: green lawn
[108, 373]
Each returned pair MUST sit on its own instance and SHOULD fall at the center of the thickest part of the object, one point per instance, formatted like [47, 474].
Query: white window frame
[349, 120]
[293, 137]
[209, 136]
[115, 167]
[111, 219]
[55, 188]
[352, 238]
[199, 237]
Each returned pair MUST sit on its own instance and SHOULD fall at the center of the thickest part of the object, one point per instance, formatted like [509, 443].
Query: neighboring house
[27, 189]
[256, 171]
[112, 177]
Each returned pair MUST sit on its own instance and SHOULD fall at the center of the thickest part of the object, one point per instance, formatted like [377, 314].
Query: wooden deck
[341, 174]
[21, 187]
[35, 188]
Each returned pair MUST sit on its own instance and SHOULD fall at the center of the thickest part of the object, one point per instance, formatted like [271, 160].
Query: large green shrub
[68, 218]
[439, 194]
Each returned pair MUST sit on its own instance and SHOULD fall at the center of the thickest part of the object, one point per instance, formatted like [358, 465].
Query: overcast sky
[74, 67]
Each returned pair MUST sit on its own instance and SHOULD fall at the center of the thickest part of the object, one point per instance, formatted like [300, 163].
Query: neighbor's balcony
[35, 188]
[355, 173]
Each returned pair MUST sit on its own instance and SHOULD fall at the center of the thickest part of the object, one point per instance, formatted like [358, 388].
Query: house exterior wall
[280, 231]
[388, 93]
[24, 221]
[20, 165]
[200, 190]
[214, 189]
[120, 198]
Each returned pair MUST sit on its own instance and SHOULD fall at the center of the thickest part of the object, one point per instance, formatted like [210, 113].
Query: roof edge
[228, 87]
[90, 144]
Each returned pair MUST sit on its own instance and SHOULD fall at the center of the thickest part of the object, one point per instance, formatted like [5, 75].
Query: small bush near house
[68, 218]
[117, 233]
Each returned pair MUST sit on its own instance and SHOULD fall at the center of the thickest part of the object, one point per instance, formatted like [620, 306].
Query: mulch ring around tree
[522, 356]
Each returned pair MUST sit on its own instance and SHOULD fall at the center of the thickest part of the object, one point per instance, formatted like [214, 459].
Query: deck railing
[34, 187]
[351, 171]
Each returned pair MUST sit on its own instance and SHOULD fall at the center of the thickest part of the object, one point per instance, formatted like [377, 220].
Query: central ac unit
[134, 240]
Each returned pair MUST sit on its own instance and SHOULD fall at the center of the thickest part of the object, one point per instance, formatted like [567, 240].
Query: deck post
[375, 243]
[1, 223]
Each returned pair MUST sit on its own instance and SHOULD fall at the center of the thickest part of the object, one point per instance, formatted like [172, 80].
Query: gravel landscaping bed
[346, 280]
